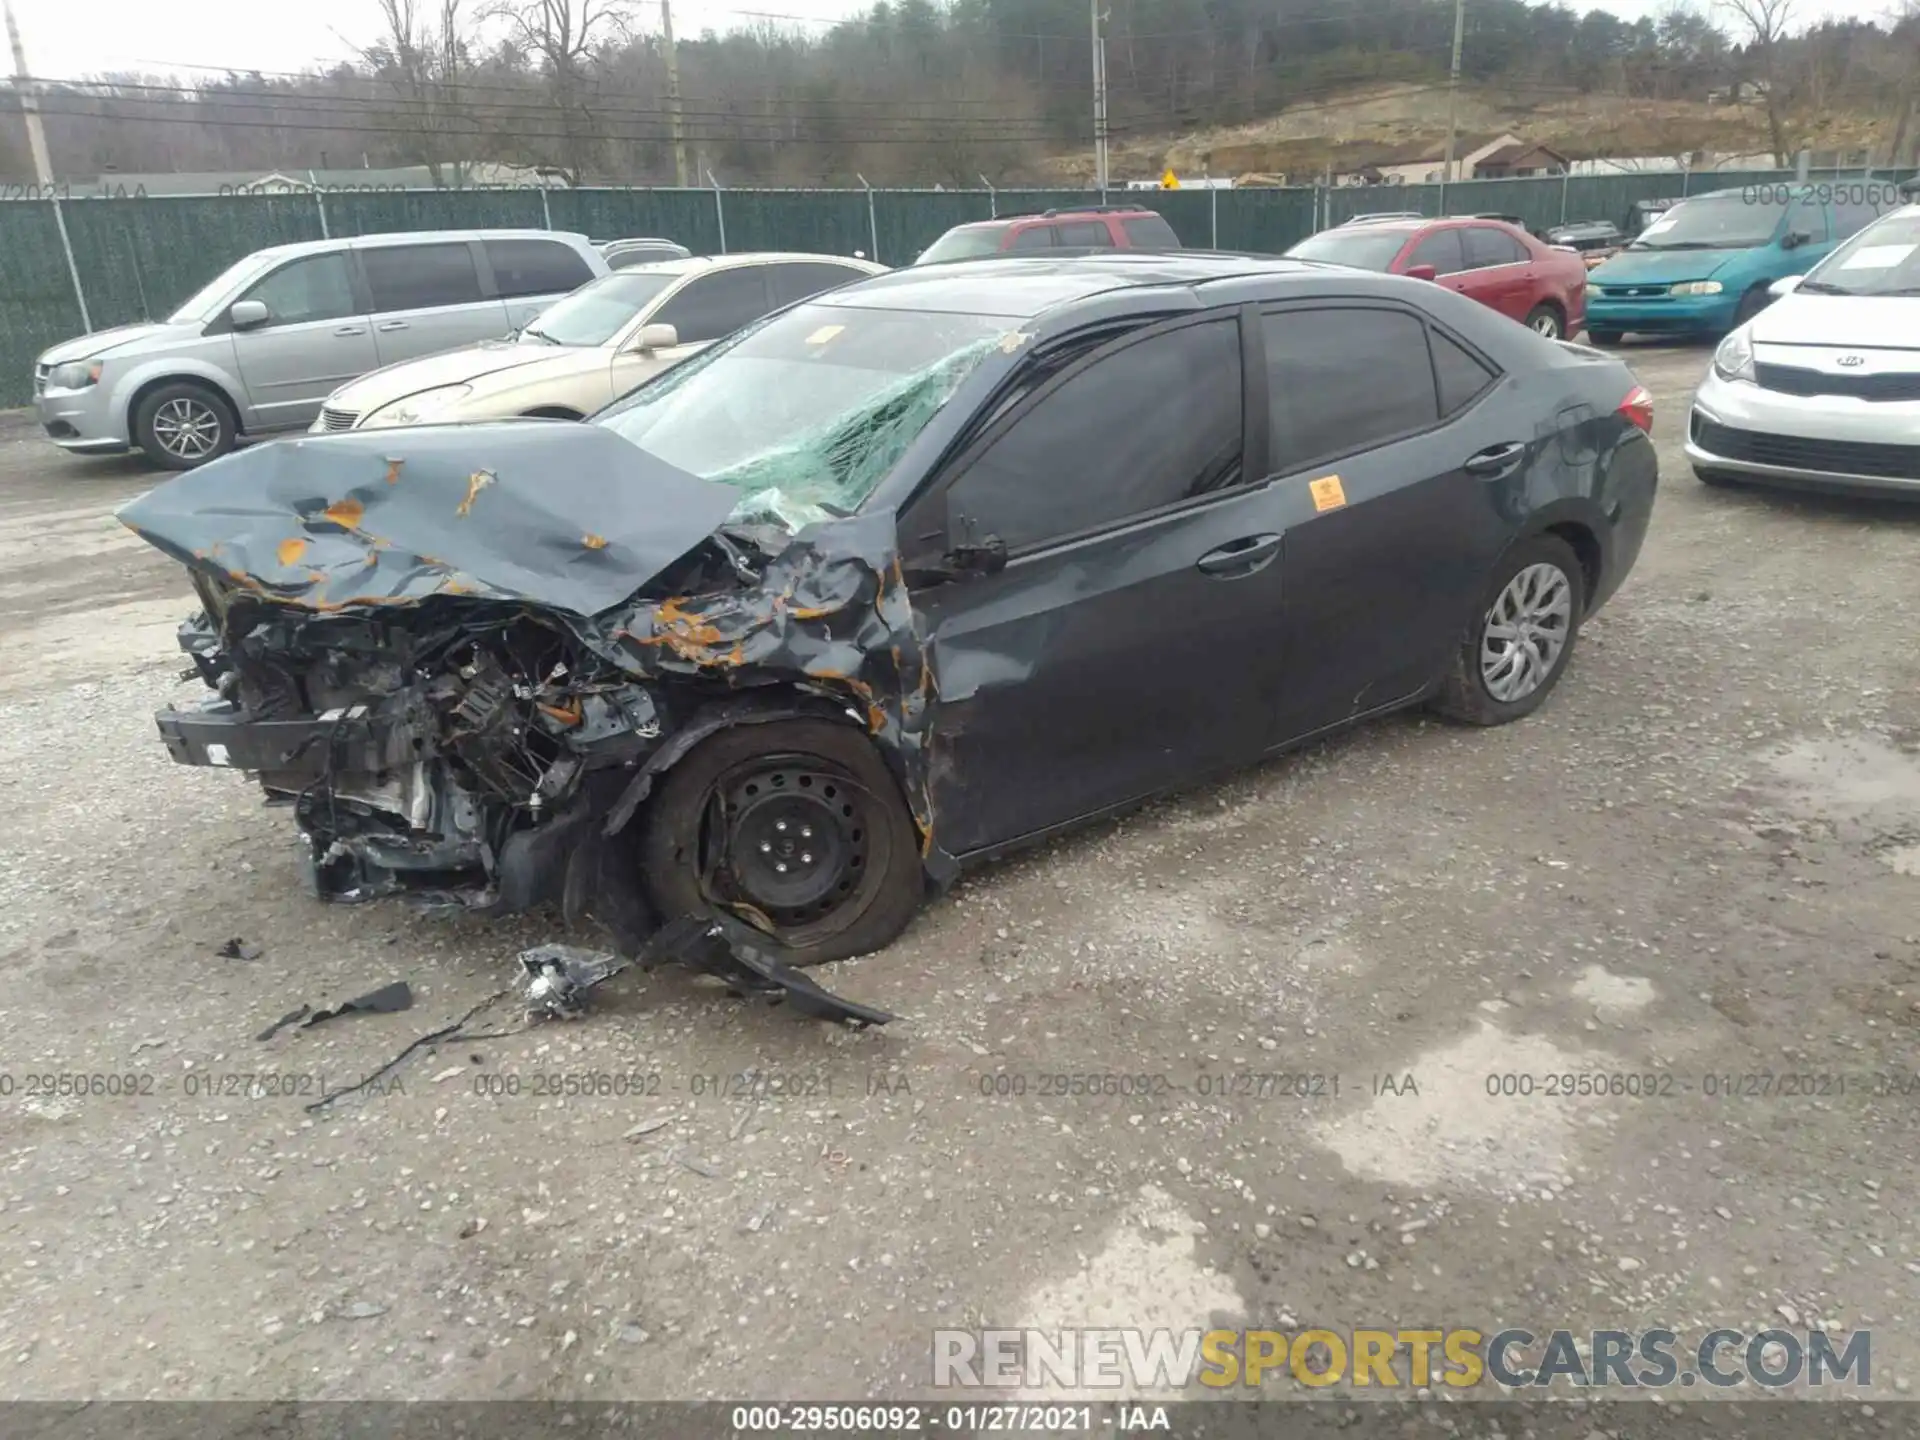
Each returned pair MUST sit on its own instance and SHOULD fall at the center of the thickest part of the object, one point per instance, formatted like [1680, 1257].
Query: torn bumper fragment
[464, 692]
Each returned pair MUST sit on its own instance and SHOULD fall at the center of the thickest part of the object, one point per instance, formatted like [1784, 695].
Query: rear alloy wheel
[183, 425]
[794, 822]
[1518, 647]
[1545, 320]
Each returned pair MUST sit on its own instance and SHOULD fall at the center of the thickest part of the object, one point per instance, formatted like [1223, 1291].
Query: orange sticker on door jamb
[1327, 493]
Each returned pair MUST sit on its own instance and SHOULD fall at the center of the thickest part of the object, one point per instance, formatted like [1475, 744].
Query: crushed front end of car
[460, 656]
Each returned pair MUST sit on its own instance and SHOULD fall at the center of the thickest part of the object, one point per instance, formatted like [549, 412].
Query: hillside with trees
[914, 93]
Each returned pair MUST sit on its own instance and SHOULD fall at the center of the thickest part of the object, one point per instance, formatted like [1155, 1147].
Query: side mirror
[1785, 285]
[656, 337]
[248, 314]
[1421, 272]
[1794, 239]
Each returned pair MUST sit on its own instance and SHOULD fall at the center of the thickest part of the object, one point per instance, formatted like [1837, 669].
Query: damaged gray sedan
[899, 578]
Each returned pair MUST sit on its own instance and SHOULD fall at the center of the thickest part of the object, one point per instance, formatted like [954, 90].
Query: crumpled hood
[455, 367]
[85, 347]
[564, 515]
[1661, 267]
[1853, 322]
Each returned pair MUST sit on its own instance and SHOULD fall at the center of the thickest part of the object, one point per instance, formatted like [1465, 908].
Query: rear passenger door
[1499, 270]
[529, 274]
[1373, 416]
[317, 338]
[428, 298]
[1083, 235]
[1133, 639]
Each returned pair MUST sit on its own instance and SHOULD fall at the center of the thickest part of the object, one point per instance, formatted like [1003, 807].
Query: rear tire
[798, 820]
[1521, 638]
[1604, 337]
[1546, 322]
[183, 424]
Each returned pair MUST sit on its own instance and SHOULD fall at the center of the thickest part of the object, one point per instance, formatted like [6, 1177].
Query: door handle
[1240, 557]
[1495, 459]
[393, 325]
[351, 330]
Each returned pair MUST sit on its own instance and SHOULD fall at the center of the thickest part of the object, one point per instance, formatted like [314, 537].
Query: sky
[65, 40]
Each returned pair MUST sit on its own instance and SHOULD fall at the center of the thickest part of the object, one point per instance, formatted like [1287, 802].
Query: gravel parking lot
[1701, 859]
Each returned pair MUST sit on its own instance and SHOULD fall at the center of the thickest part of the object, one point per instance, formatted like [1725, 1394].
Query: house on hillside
[1476, 157]
[1519, 159]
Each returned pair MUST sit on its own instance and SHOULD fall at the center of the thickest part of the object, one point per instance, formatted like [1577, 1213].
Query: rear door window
[711, 306]
[1462, 376]
[800, 279]
[1341, 380]
[1034, 237]
[1083, 233]
[535, 267]
[1487, 246]
[420, 277]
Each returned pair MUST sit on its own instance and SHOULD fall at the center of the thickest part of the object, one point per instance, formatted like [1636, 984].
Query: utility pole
[29, 102]
[673, 98]
[1099, 100]
[1453, 97]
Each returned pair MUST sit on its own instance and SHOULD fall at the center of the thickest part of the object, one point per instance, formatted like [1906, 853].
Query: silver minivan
[257, 349]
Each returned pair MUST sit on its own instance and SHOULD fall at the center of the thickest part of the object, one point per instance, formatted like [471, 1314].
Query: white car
[1822, 388]
[588, 349]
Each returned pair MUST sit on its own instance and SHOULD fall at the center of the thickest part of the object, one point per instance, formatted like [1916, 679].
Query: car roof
[1025, 286]
[688, 264]
[416, 237]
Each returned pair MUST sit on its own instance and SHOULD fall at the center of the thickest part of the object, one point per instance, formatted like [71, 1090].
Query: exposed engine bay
[464, 687]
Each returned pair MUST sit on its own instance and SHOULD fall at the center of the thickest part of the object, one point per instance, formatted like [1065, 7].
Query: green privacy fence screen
[137, 259]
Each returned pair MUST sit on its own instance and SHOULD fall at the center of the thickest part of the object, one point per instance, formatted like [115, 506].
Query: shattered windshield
[596, 312]
[808, 412]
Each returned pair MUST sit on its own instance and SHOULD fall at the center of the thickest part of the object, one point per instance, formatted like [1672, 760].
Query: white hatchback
[1822, 388]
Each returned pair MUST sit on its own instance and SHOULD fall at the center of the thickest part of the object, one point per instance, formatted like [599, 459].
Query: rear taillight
[1638, 407]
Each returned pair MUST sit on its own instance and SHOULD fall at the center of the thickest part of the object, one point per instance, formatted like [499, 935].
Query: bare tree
[423, 61]
[563, 38]
[1764, 25]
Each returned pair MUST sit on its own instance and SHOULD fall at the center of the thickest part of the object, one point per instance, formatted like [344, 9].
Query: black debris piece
[238, 949]
[284, 1021]
[387, 1000]
[557, 978]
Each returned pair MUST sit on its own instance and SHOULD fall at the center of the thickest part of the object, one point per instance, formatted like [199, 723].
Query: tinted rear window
[536, 267]
[1150, 232]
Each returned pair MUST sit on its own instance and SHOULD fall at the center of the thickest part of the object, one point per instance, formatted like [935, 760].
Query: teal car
[1704, 266]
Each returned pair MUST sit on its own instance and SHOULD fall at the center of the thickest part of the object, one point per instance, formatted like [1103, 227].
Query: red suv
[1100, 227]
[1498, 264]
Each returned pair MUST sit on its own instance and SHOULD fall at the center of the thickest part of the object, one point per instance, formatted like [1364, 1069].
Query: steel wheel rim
[1526, 632]
[186, 428]
[1547, 325]
[808, 816]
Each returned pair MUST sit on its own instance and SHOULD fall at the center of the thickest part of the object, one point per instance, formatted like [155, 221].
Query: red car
[1500, 265]
[1118, 227]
